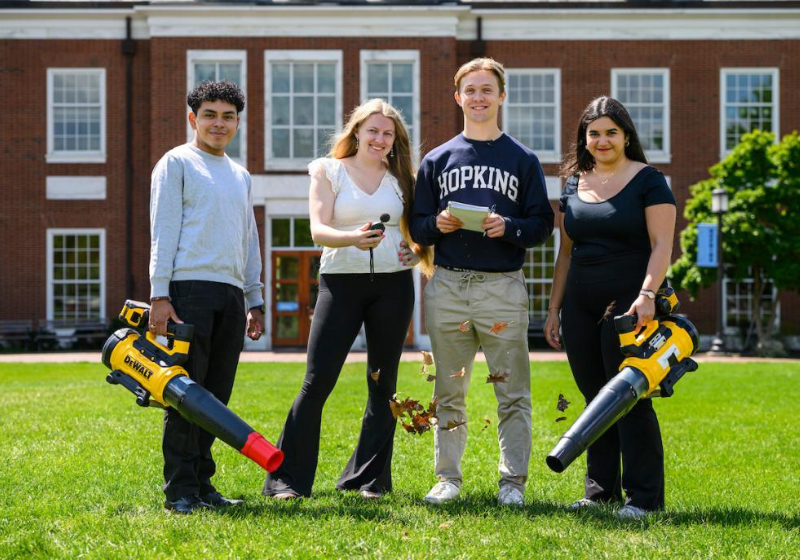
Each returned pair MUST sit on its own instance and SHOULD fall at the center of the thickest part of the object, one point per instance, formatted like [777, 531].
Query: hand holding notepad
[470, 215]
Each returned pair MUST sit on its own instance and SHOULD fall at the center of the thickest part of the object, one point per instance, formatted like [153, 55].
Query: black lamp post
[719, 205]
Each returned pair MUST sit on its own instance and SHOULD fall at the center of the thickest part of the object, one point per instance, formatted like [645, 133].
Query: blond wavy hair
[399, 162]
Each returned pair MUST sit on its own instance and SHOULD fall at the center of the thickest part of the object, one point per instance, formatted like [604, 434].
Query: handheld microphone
[380, 227]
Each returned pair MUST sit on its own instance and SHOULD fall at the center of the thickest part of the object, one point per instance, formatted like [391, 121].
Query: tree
[761, 230]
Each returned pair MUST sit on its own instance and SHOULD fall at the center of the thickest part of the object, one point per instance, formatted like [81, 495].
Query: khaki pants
[483, 299]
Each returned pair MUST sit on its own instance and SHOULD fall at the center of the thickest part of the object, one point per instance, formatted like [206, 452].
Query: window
[394, 77]
[749, 102]
[76, 115]
[532, 111]
[76, 274]
[645, 93]
[738, 305]
[291, 233]
[539, 265]
[215, 66]
[303, 91]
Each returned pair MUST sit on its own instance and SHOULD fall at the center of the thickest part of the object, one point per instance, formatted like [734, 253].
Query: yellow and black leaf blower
[656, 358]
[155, 374]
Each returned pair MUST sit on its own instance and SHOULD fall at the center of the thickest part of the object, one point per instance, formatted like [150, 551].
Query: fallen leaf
[459, 373]
[561, 418]
[427, 358]
[453, 425]
[608, 312]
[563, 403]
[464, 327]
[486, 422]
[499, 327]
[431, 378]
[497, 377]
[375, 375]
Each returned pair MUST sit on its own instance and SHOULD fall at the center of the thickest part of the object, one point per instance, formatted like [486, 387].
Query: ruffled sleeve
[569, 189]
[330, 168]
[396, 187]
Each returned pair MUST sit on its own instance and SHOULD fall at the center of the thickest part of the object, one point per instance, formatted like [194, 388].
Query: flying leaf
[499, 327]
[453, 425]
[424, 369]
[486, 422]
[459, 373]
[608, 312]
[561, 418]
[427, 358]
[433, 406]
[497, 377]
[464, 326]
[563, 403]
[375, 375]
[431, 378]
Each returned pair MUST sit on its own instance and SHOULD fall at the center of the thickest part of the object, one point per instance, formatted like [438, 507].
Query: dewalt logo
[138, 367]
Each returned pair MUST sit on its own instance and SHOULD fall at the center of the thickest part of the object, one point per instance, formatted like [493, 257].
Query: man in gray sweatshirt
[205, 269]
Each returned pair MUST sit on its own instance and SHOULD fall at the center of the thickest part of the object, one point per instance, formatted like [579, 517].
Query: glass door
[295, 285]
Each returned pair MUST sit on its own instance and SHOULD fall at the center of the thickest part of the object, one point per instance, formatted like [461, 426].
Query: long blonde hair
[399, 161]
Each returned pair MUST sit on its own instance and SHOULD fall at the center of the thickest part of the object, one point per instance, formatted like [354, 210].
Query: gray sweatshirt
[202, 224]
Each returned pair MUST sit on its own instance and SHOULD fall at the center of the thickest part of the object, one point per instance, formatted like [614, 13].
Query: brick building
[96, 94]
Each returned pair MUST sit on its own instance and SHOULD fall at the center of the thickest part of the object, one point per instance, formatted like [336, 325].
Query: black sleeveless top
[615, 228]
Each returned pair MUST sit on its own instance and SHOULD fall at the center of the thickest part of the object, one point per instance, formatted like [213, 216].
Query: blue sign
[707, 245]
[287, 306]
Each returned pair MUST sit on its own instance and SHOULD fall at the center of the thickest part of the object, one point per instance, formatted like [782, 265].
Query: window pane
[303, 78]
[280, 232]
[302, 233]
[377, 79]
[304, 143]
[281, 78]
[280, 110]
[231, 72]
[326, 111]
[303, 111]
[280, 143]
[204, 72]
[326, 78]
[402, 78]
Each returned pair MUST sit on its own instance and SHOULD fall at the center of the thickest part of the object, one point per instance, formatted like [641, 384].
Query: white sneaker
[510, 496]
[583, 503]
[442, 492]
[630, 512]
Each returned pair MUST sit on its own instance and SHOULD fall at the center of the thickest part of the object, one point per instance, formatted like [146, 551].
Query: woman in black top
[616, 242]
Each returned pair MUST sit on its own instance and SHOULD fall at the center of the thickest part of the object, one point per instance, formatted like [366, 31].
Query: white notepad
[472, 216]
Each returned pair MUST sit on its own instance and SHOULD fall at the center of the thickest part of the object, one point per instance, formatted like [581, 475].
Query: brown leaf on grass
[561, 418]
[464, 326]
[486, 422]
[453, 425]
[430, 378]
[608, 312]
[427, 358]
[563, 403]
[459, 373]
[499, 327]
[375, 375]
[497, 377]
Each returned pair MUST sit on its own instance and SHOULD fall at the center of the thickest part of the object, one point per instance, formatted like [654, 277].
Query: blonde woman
[365, 278]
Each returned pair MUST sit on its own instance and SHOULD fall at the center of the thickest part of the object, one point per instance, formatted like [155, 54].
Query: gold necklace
[607, 179]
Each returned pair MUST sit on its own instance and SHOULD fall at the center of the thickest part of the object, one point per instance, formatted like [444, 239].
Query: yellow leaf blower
[155, 374]
[656, 358]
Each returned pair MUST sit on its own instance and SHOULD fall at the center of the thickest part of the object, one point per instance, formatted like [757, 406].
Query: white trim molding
[291, 57]
[653, 156]
[75, 156]
[215, 57]
[76, 188]
[776, 95]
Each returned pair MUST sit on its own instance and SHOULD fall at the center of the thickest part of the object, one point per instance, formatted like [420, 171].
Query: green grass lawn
[80, 475]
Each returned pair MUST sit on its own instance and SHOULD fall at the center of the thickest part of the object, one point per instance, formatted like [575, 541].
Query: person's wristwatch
[160, 298]
[649, 294]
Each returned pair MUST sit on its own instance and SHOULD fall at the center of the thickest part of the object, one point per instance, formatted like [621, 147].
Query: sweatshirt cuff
[159, 288]
[513, 232]
[254, 299]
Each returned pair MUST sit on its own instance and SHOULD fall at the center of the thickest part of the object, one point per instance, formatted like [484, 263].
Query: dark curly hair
[222, 90]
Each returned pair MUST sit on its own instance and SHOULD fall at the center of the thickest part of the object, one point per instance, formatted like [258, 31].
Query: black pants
[592, 347]
[345, 301]
[217, 312]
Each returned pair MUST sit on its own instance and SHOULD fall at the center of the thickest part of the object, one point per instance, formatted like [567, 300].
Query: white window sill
[659, 158]
[287, 164]
[548, 157]
[75, 158]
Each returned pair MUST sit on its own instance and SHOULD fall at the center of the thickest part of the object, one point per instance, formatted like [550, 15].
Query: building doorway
[295, 285]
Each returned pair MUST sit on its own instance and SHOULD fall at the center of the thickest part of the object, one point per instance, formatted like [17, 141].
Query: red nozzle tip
[262, 452]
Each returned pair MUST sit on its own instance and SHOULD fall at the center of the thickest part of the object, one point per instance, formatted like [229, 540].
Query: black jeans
[217, 312]
[345, 301]
[592, 346]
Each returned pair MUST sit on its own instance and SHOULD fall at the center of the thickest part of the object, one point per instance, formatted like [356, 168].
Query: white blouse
[352, 209]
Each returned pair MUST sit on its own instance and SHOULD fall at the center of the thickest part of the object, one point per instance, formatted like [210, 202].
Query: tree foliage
[761, 230]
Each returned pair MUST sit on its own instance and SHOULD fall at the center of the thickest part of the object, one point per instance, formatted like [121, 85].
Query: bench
[72, 333]
[15, 334]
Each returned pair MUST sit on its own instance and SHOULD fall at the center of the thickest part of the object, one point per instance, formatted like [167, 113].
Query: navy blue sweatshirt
[501, 174]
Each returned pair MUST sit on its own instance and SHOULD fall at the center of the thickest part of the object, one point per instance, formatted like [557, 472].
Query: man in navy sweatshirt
[477, 296]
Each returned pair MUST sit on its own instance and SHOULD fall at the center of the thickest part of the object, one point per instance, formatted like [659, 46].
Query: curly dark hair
[222, 90]
[578, 159]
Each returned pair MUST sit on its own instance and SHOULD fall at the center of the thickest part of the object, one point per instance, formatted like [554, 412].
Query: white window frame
[292, 56]
[226, 57]
[553, 156]
[723, 74]
[399, 57]
[735, 289]
[654, 156]
[51, 233]
[63, 156]
[529, 281]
